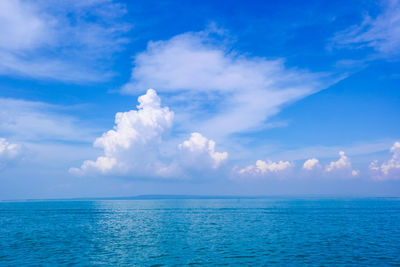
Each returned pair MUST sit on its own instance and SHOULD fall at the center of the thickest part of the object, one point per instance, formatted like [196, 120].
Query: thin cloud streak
[38, 121]
[381, 33]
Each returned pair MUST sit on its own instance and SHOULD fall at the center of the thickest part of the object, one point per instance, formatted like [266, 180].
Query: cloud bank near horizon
[389, 169]
[141, 145]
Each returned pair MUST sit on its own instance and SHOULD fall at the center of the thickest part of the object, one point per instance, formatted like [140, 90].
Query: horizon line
[184, 196]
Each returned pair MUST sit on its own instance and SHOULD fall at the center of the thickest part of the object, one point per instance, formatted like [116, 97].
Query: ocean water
[176, 232]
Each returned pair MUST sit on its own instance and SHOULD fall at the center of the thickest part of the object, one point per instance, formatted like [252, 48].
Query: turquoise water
[203, 232]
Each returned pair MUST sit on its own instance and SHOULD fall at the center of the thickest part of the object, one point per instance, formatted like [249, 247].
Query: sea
[204, 231]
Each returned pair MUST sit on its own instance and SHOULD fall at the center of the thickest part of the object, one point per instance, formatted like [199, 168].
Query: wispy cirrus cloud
[381, 33]
[63, 41]
[225, 91]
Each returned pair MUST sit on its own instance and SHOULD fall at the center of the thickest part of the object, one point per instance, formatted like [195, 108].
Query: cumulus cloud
[239, 91]
[137, 145]
[389, 169]
[381, 33]
[133, 143]
[8, 151]
[311, 164]
[266, 167]
[198, 145]
[142, 126]
[64, 42]
[342, 164]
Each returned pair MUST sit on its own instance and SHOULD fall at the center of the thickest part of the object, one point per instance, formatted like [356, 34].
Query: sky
[101, 98]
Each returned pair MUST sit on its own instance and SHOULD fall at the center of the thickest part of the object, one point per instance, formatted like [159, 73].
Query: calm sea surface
[201, 232]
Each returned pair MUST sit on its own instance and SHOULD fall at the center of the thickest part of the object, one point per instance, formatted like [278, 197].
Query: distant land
[155, 197]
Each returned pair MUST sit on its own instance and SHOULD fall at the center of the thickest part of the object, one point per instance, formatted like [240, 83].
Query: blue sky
[105, 98]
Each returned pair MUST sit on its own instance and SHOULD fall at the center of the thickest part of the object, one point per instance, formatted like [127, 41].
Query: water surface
[201, 231]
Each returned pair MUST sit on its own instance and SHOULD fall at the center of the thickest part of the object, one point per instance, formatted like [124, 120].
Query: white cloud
[133, 143]
[22, 27]
[340, 168]
[389, 169]
[137, 145]
[64, 42]
[142, 126]
[226, 92]
[200, 146]
[343, 164]
[381, 33]
[266, 167]
[311, 164]
[8, 151]
[373, 166]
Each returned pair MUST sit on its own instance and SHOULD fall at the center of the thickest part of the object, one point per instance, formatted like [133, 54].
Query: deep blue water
[204, 231]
